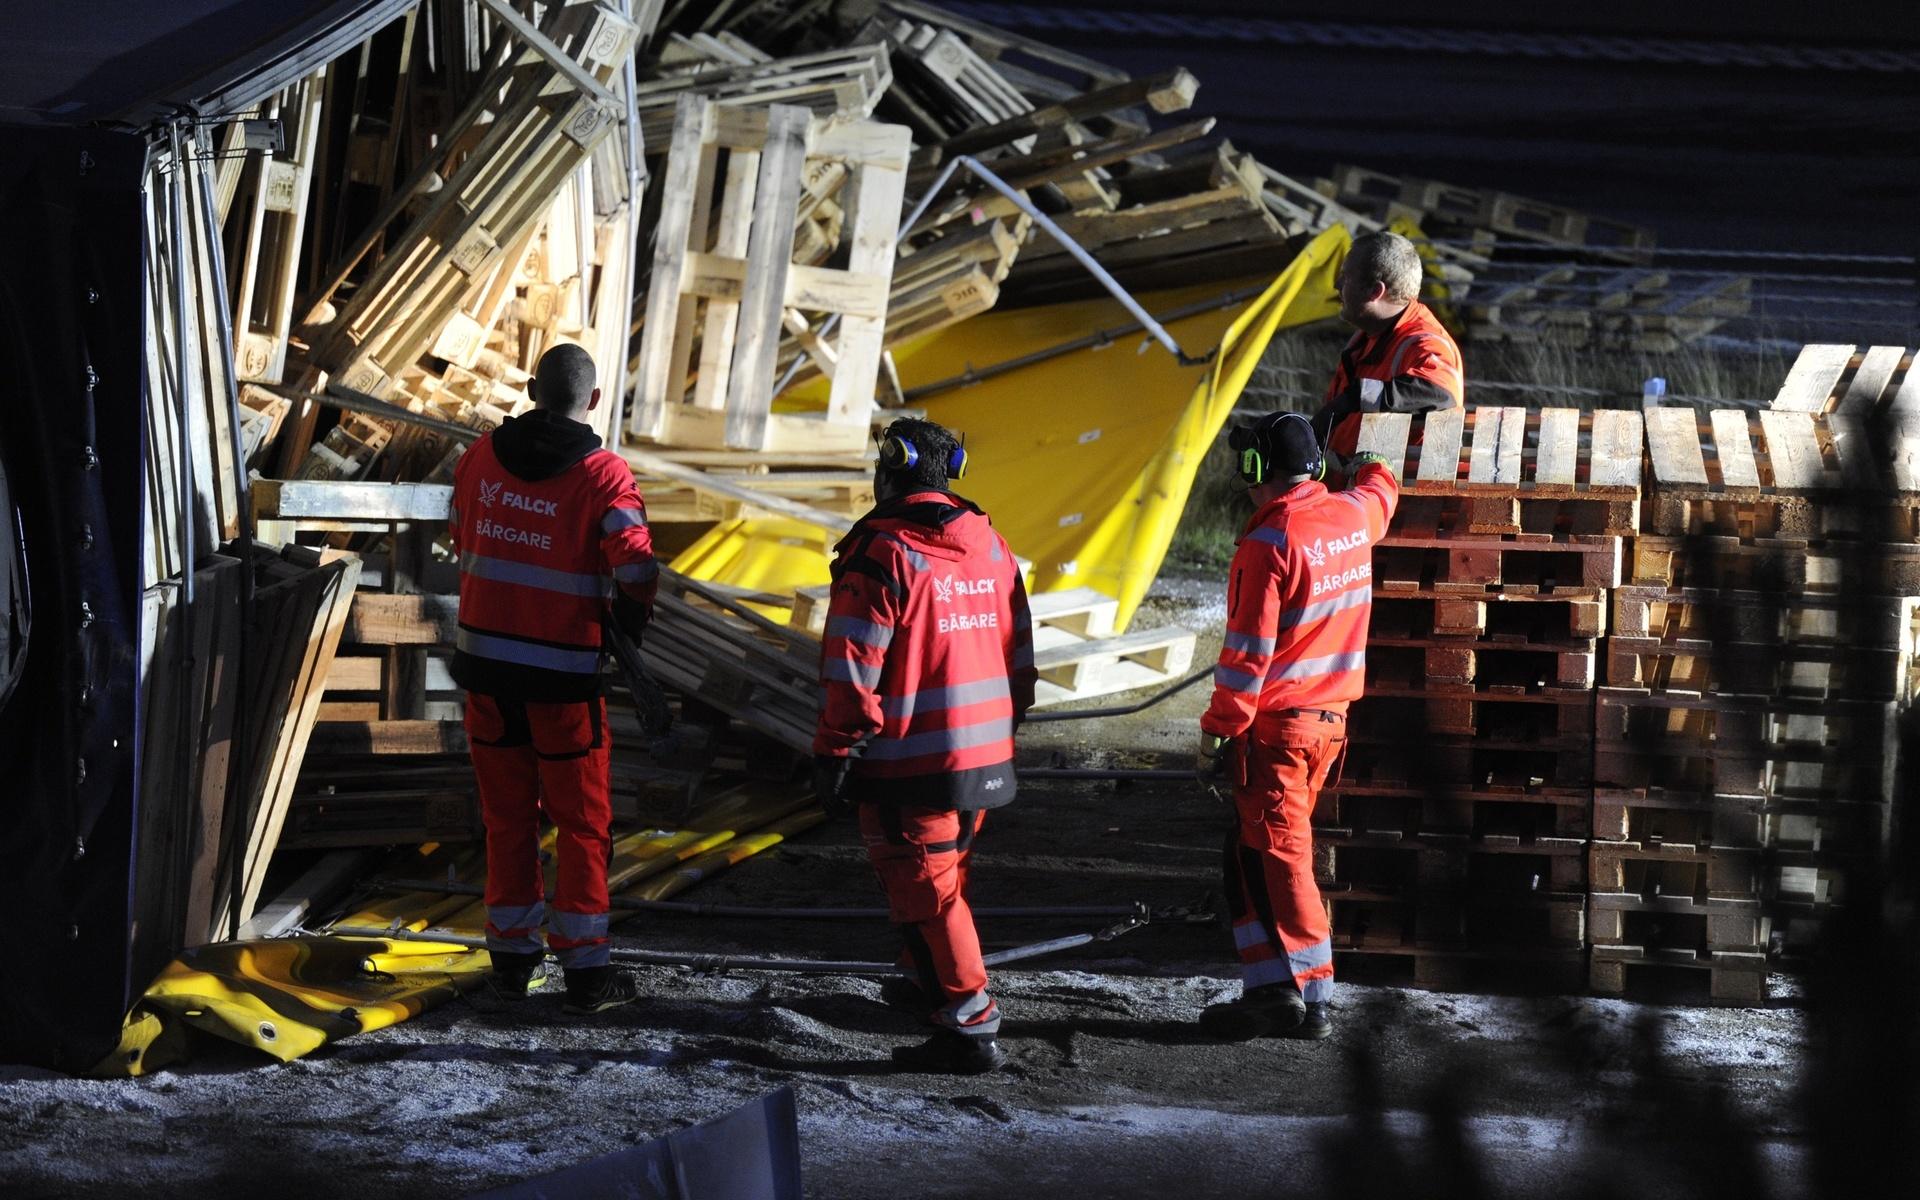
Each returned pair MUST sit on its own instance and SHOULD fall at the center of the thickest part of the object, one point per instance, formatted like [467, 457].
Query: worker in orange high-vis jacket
[1401, 359]
[1294, 657]
[552, 540]
[927, 667]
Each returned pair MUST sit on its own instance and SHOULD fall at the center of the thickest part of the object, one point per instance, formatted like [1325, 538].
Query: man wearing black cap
[1294, 656]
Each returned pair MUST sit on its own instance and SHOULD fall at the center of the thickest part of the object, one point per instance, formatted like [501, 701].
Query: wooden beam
[1167, 92]
[323, 500]
[649, 463]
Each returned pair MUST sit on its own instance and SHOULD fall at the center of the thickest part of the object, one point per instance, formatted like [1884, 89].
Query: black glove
[830, 772]
[631, 615]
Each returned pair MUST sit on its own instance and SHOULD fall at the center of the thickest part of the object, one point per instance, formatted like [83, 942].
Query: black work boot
[1316, 1023]
[949, 1053]
[1260, 1012]
[596, 989]
[515, 975]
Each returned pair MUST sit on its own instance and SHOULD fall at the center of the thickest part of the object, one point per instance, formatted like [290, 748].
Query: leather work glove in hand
[633, 616]
[1210, 762]
[830, 783]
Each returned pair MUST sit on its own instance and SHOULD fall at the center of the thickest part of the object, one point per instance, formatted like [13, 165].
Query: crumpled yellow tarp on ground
[287, 996]
[1084, 461]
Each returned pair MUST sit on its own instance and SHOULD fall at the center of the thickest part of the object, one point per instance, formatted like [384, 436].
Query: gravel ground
[1112, 1090]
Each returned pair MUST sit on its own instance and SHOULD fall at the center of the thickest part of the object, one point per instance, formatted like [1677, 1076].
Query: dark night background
[1571, 104]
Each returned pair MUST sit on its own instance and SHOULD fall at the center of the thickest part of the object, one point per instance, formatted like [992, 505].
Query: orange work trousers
[527, 757]
[1280, 926]
[921, 856]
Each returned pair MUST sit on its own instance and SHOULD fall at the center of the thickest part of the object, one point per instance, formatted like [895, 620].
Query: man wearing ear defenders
[1401, 359]
[1294, 657]
[927, 665]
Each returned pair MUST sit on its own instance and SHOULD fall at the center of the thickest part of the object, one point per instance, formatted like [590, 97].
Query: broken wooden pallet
[729, 279]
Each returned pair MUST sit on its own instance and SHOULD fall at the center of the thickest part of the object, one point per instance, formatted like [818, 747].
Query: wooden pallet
[1482, 666]
[1519, 619]
[728, 279]
[1448, 938]
[1484, 567]
[1780, 823]
[1503, 456]
[1733, 977]
[1381, 755]
[1744, 745]
[1501, 863]
[1782, 475]
[845, 82]
[270, 211]
[1551, 713]
[1849, 381]
[1492, 804]
[1782, 568]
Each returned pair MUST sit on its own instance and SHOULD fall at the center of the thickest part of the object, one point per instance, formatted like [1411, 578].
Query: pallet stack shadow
[1760, 660]
[1457, 836]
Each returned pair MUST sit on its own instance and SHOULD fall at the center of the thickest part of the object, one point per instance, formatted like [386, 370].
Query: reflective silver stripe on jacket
[936, 699]
[856, 630]
[505, 570]
[1269, 535]
[529, 654]
[1307, 668]
[917, 559]
[937, 741]
[1246, 643]
[847, 671]
[1239, 681]
[1313, 612]
[1405, 348]
[622, 518]
[640, 572]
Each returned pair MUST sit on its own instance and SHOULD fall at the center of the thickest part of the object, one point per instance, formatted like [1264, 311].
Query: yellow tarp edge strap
[1084, 461]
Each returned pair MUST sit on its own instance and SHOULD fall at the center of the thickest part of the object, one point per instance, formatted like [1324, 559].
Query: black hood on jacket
[542, 443]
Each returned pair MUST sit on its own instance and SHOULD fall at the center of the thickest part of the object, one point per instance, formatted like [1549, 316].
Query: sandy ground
[1113, 1091]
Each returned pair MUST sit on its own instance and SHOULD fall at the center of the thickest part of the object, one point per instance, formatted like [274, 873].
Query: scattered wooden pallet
[1527, 618]
[1734, 977]
[729, 278]
[1780, 823]
[1778, 568]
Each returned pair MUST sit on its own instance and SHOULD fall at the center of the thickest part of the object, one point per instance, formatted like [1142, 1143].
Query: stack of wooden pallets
[1457, 834]
[1761, 657]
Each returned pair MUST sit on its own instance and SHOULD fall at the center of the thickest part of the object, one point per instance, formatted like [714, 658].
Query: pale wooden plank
[1903, 454]
[776, 203]
[1792, 449]
[1498, 436]
[875, 195]
[1811, 379]
[1862, 396]
[1733, 447]
[1556, 461]
[1906, 401]
[1859, 468]
[723, 318]
[1618, 442]
[329, 500]
[1673, 438]
[693, 117]
[1440, 446]
[1385, 434]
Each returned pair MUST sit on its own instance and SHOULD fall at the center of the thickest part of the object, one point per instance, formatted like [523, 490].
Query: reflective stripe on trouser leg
[572, 746]
[1288, 765]
[925, 895]
[506, 774]
[974, 1015]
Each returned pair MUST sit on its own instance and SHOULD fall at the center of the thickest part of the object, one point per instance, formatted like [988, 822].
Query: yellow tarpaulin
[1085, 460]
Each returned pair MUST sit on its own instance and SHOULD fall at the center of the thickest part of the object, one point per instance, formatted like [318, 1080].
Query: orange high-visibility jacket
[1413, 367]
[1298, 602]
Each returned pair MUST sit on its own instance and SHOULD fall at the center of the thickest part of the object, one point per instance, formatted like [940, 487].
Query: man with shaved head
[552, 539]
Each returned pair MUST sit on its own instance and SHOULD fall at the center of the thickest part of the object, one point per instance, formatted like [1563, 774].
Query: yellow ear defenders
[899, 454]
[1256, 443]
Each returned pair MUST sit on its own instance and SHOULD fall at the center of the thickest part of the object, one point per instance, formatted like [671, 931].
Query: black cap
[1285, 439]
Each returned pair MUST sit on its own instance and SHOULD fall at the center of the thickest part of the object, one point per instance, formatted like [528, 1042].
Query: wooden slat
[1733, 446]
[387, 620]
[1618, 440]
[323, 500]
[1859, 466]
[1792, 449]
[1440, 446]
[1385, 434]
[1673, 438]
[1811, 379]
[388, 737]
[1906, 401]
[1862, 396]
[1903, 458]
[693, 117]
[1498, 437]
[776, 202]
[1556, 463]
